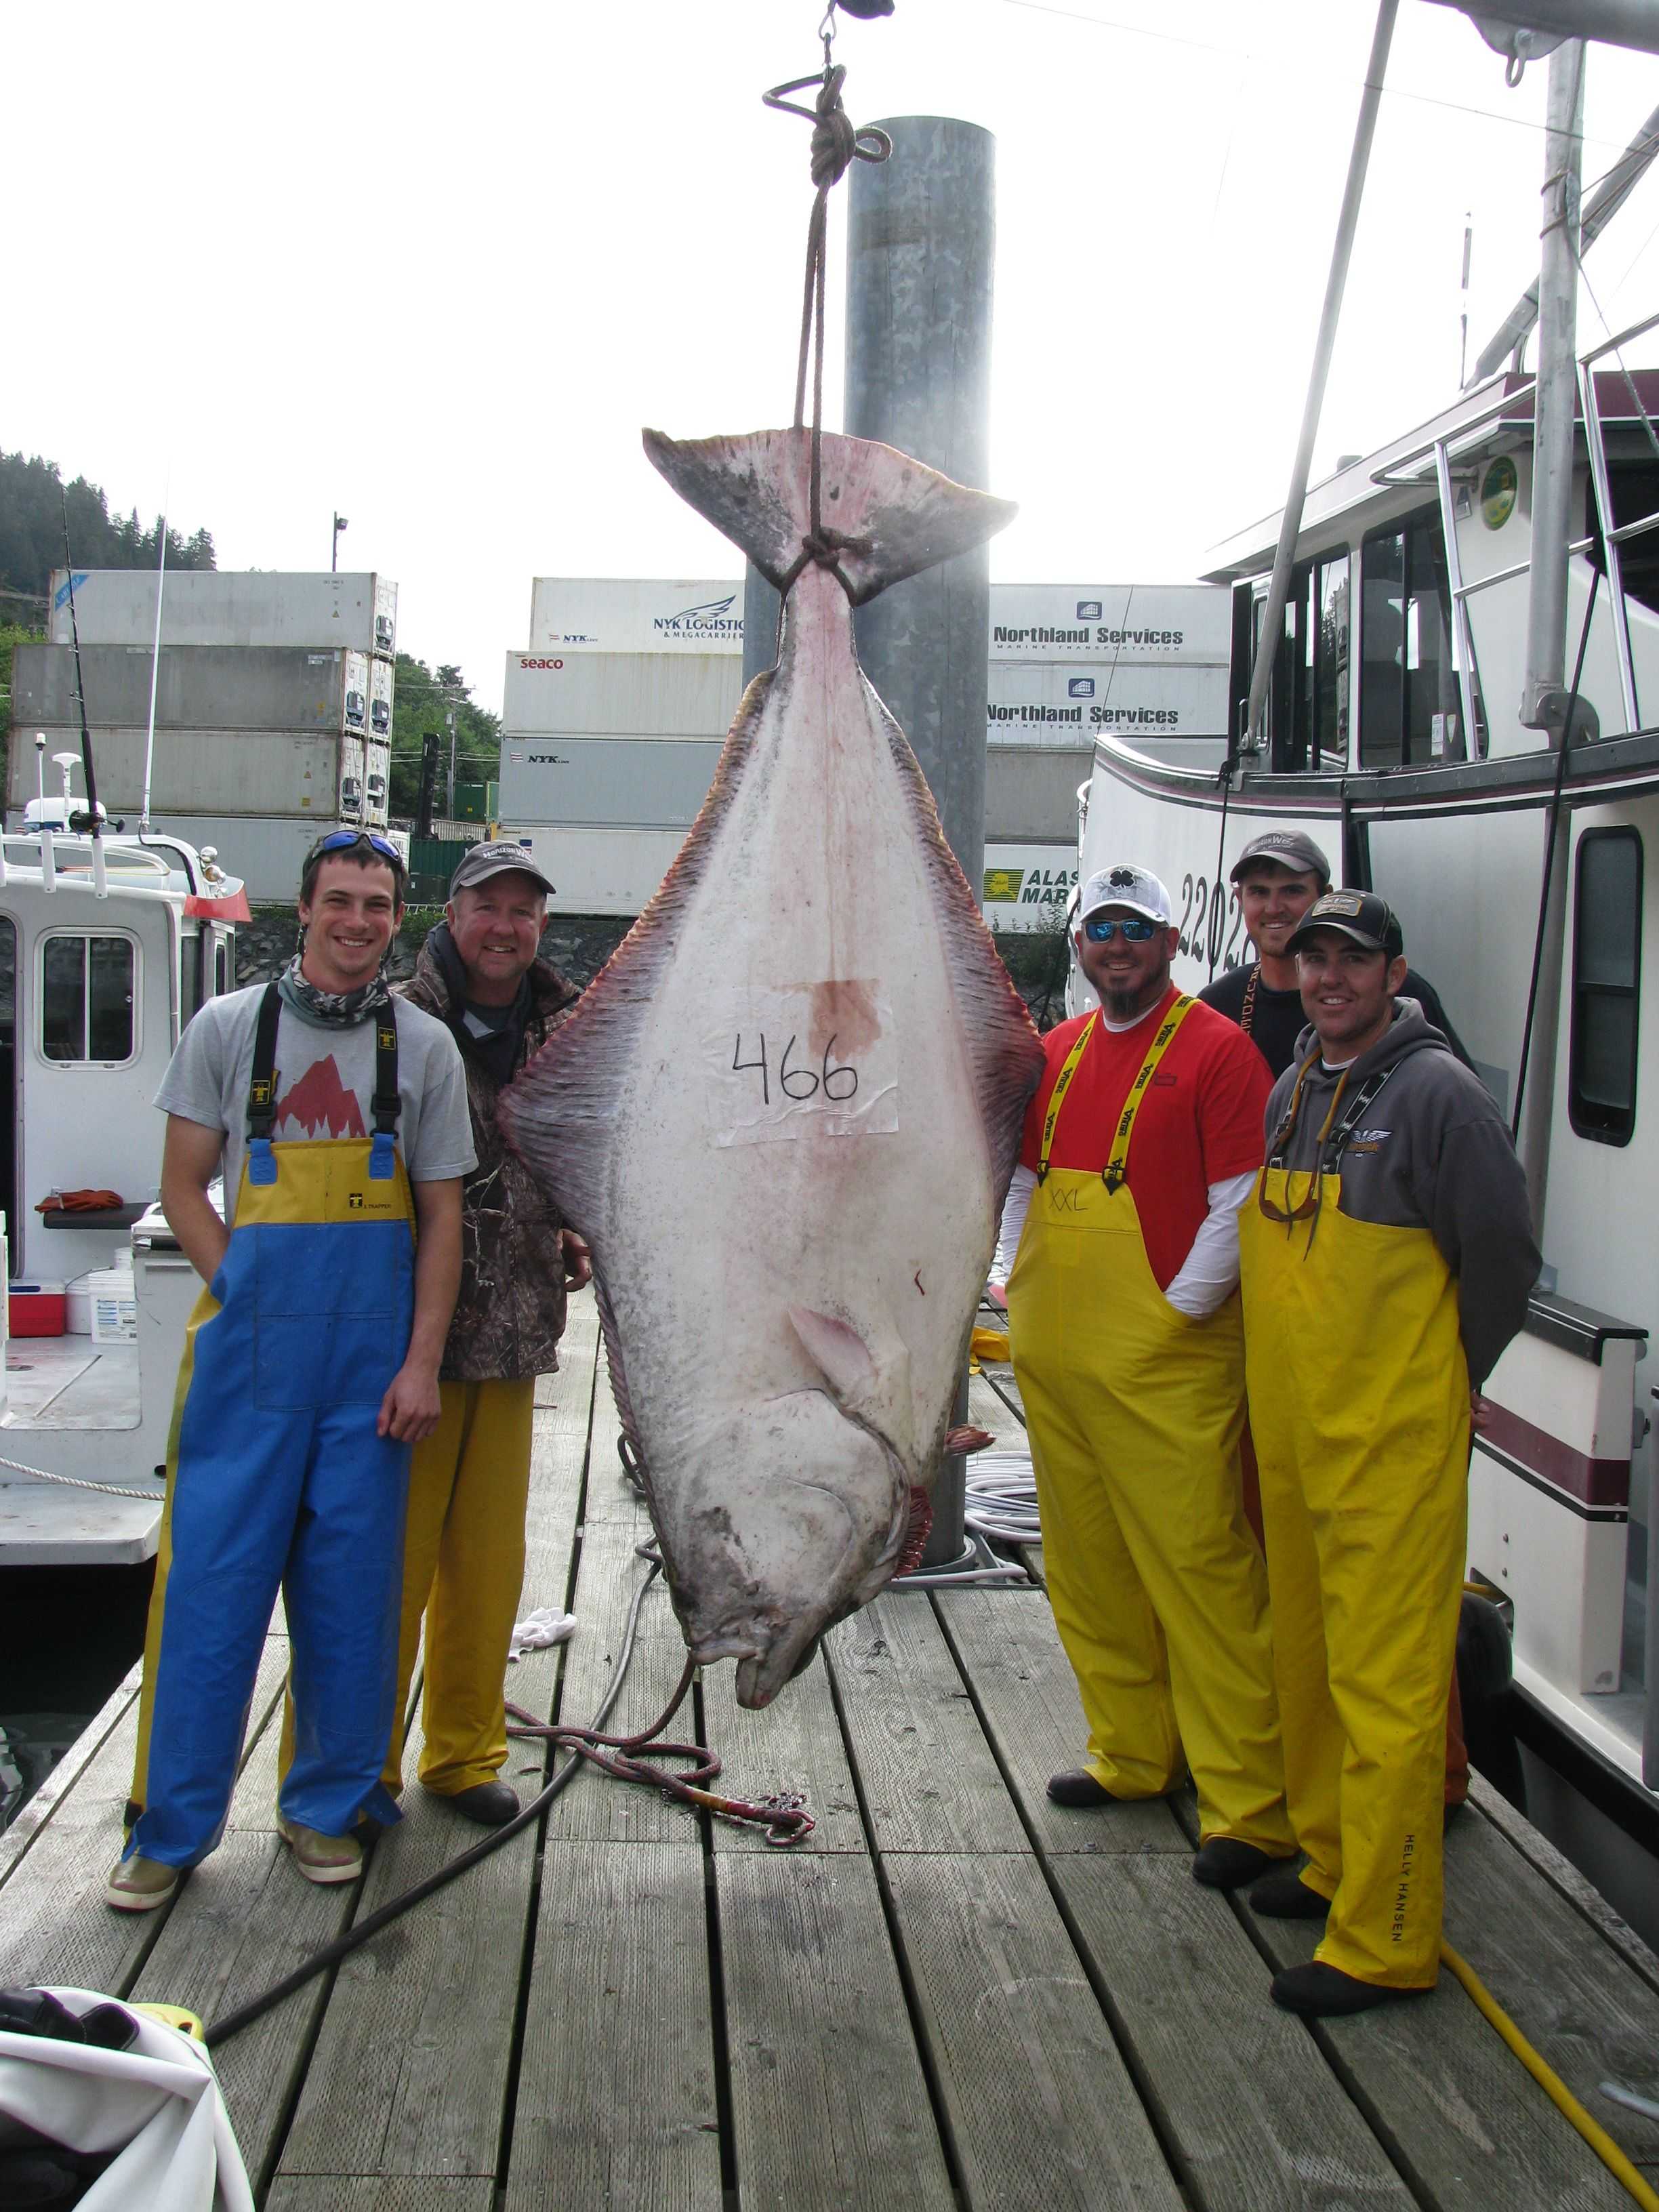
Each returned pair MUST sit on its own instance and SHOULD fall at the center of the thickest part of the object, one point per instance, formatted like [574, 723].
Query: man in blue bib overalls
[310, 1370]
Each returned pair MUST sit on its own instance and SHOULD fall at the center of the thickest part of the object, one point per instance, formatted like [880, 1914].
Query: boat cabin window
[1409, 709]
[87, 997]
[190, 959]
[1321, 687]
[1635, 489]
[1606, 962]
[221, 966]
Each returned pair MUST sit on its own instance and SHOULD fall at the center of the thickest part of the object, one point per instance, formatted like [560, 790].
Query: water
[68, 1635]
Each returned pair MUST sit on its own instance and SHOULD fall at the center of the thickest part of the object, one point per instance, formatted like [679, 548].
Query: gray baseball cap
[494, 858]
[1292, 849]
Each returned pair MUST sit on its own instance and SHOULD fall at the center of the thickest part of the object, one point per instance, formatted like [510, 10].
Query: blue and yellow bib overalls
[276, 1477]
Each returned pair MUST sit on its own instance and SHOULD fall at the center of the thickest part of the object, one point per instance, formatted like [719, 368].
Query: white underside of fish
[786, 1113]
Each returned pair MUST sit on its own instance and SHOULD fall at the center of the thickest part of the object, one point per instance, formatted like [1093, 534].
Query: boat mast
[1272, 619]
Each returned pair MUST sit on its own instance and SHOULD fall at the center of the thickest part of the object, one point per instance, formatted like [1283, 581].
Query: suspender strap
[1116, 1173]
[262, 1085]
[1247, 1011]
[387, 1101]
[1062, 1085]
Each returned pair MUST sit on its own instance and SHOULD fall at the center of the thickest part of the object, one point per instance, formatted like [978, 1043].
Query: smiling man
[1122, 1234]
[1277, 876]
[481, 975]
[310, 1371]
[1386, 1263]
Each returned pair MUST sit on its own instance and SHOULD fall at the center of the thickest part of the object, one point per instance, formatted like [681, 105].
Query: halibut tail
[891, 517]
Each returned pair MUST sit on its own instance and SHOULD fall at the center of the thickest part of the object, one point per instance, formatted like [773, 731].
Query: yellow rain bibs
[1134, 1412]
[1359, 1405]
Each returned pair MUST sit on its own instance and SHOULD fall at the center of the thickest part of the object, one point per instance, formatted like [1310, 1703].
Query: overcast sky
[436, 267]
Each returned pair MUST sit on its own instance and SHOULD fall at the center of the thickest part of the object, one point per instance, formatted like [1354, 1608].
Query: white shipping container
[623, 782]
[198, 687]
[627, 614]
[1049, 704]
[639, 694]
[377, 789]
[355, 703]
[1091, 622]
[227, 606]
[598, 871]
[234, 772]
[267, 851]
[379, 700]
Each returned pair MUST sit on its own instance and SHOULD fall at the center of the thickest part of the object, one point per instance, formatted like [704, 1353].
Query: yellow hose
[1550, 2082]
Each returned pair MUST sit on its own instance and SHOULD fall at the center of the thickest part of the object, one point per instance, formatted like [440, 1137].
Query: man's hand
[410, 1407]
[1480, 1412]
[578, 1259]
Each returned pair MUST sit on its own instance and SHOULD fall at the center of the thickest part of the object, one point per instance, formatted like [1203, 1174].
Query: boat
[1522, 856]
[108, 945]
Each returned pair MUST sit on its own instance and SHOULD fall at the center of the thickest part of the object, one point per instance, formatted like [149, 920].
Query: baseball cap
[494, 858]
[1361, 915]
[1291, 848]
[1125, 886]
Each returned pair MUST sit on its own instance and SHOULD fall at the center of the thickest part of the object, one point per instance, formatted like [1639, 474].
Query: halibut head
[785, 1114]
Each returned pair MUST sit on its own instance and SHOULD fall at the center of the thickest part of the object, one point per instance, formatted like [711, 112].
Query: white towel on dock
[540, 1629]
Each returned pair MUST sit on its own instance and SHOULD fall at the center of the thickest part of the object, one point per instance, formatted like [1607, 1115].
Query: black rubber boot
[1285, 1896]
[1079, 1790]
[1320, 1992]
[491, 1804]
[1226, 1863]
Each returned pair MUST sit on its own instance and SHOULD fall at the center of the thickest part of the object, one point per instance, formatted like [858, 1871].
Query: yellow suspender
[1114, 1174]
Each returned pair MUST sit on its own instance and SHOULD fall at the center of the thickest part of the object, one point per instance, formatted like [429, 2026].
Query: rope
[1550, 2082]
[74, 1482]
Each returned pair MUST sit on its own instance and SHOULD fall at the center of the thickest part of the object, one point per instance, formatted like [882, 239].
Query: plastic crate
[114, 1306]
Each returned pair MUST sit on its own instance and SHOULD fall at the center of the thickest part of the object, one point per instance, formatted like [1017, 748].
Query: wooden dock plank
[1591, 2016]
[54, 1923]
[1020, 2047]
[330, 2193]
[595, 1808]
[1007, 1647]
[930, 1779]
[1464, 2119]
[793, 1745]
[616, 2100]
[829, 2104]
[988, 1409]
[412, 2063]
[1261, 2121]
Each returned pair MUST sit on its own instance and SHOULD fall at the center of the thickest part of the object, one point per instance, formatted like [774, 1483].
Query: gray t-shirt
[324, 1084]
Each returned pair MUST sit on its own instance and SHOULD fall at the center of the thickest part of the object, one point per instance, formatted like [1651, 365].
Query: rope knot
[835, 141]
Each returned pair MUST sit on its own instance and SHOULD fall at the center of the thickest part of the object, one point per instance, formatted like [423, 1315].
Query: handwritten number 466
[837, 1080]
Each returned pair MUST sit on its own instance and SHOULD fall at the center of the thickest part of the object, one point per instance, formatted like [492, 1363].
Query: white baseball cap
[1125, 886]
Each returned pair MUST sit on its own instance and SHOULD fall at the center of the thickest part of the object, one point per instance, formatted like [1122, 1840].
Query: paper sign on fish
[785, 1114]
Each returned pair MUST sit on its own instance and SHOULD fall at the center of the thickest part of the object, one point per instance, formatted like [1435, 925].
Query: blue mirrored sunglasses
[341, 841]
[1102, 929]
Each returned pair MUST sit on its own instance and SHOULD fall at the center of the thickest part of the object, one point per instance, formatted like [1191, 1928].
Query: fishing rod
[100, 881]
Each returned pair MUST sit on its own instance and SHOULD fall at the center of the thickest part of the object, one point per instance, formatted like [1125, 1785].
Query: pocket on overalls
[331, 1313]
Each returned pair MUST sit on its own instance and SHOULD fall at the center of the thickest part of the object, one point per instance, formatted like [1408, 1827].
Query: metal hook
[826, 31]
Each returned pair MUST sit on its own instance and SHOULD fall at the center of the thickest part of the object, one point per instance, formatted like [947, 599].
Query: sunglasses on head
[343, 840]
[1102, 930]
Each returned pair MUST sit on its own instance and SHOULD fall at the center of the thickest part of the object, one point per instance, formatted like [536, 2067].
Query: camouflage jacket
[510, 1314]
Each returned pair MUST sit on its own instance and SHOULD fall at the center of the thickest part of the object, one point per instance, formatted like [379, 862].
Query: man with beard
[1119, 1252]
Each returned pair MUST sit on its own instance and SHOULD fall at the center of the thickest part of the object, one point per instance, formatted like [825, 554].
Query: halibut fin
[901, 516]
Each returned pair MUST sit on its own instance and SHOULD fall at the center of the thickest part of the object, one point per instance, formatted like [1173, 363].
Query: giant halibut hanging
[785, 1114]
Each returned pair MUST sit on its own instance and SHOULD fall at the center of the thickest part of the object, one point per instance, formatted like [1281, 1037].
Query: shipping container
[598, 871]
[199, 687]
[636, 694]
[629, 614]
[620, 783]
[380, 699]
[1092, 622]
[267, 851]
[1053, 703]
[1030, 794]
[377, 790]
[232, 771]
[227, 606]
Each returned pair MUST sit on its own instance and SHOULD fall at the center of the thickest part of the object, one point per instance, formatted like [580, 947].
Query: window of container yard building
[87, 997]
[1606, 974]
[1409, 696]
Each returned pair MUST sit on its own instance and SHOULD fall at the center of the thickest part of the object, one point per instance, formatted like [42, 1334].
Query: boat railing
[72, 860]
[1596, 442]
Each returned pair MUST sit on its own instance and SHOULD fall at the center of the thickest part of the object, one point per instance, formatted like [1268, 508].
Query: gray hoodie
[1429, 1151]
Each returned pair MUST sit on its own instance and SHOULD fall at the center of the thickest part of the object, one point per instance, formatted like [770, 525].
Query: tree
[32, 500]
[423, 700]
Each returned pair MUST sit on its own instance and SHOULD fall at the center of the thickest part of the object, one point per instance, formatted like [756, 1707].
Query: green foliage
[33, 498]
[11, 634]
[423, 699]
[1037, 961]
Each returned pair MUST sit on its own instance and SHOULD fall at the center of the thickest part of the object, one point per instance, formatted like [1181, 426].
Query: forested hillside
[32, 497]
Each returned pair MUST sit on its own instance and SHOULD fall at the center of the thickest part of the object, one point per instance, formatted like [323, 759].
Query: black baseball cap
[1287, 848]
[1361, 915]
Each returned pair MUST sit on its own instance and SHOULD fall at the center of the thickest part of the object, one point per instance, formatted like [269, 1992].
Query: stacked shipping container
[273, 706]
[615, 713]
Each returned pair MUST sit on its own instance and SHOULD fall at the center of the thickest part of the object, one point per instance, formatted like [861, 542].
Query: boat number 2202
[1204, 916]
